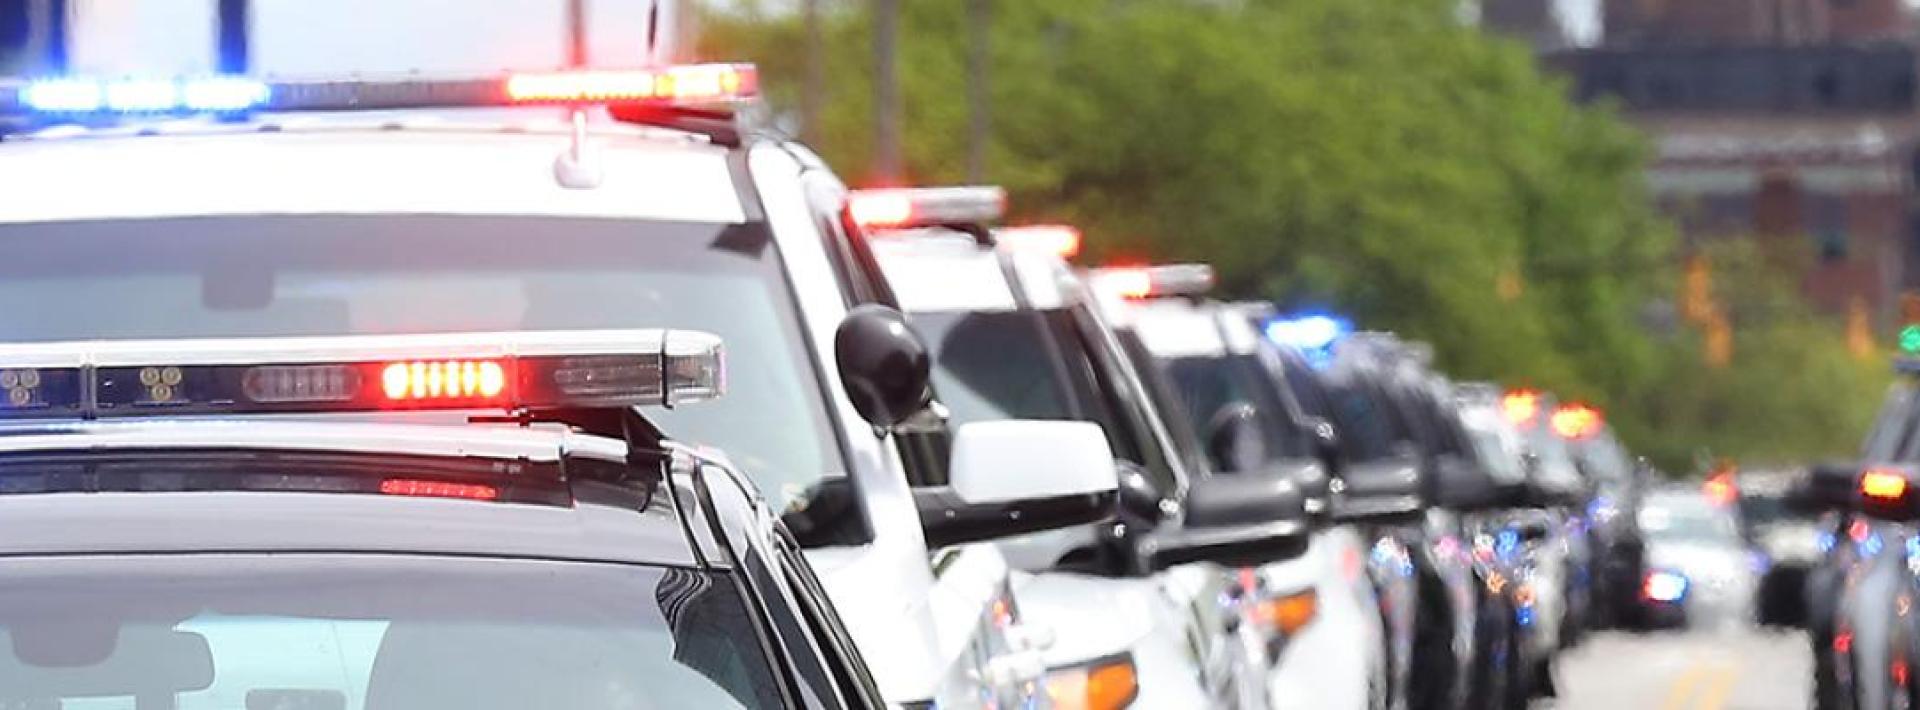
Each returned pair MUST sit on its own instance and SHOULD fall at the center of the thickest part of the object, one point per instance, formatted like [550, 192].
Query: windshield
[1688, 521]
[218, 632]
[1209, 384]
[373, 274]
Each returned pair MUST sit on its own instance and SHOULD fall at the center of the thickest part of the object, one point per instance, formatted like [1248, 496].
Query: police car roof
[1184, 327]
[601, 521]
[946, 270]
[493, 161]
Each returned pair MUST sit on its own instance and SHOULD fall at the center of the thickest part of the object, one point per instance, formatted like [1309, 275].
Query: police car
[1233, 390]
[227, 206]
[1132, 615]
[273, 522]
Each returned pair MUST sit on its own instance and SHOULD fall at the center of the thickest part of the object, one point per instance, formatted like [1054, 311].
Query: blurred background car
[1700, 571]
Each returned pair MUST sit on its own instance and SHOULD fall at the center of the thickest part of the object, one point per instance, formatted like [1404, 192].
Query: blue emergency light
[1308, 332]
[218, 94]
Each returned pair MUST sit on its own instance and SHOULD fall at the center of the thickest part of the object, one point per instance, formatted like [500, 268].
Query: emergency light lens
[903, 208]
[438, 489]
[301, 383]
[451, 379]
[880, 208]
[1127, 283]
[1576, 421]
[208, 94]
[1521, 406]
[1664, 586]
[1314, 332]
[1059, 240]
[1883, 484]
[691, 83]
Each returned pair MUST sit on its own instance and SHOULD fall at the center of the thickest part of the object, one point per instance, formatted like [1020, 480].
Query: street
[1705, 670]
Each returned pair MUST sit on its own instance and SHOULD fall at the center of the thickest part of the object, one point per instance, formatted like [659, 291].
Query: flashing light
[1308, 333]
[1843, 642]
[1521, 406]
[448, 380]
[1910, 339]
[438, 489]
[1110, 683]
[1291, 613]
[1147, 282]
[1060, 240]
[1662, 586]
[915, 207]
[695, 86]
[1858, 531]
[1720, 489]
[511, 371]
[690, 83]
[83, 96]
[1883, 484]
[1576, 421]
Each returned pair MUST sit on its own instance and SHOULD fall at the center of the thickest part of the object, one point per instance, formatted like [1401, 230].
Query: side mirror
[1316, 486]
[1015, 477]
[1462, 486]
[1825, 487]
[883, 364]
[1236, 521]
[1386, 491]
[1234, 440]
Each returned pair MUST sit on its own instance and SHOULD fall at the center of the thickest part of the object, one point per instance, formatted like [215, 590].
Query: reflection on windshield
[373, 633]
[371, 274]
[1681, 522]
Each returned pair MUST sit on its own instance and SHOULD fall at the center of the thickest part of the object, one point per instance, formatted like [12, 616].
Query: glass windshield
[1208, 385]
[1688, 522]
[372, 274]
[207, 632]
[990, 366]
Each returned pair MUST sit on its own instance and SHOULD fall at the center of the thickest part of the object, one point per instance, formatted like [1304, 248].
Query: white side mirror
[1026, 460]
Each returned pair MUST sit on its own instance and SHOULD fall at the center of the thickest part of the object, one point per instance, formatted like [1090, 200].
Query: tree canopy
[1377, 158]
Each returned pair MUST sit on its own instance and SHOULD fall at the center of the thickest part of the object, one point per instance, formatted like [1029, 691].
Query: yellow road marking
[1683, 687]
[1715, 694]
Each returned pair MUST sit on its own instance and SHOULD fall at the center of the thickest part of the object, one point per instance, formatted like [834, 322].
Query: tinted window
[374, 633]
[1208, 385]
[371, 274]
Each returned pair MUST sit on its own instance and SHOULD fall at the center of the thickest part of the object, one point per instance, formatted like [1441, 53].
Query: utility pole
[814, 86]
[979, 126]
[886, 93]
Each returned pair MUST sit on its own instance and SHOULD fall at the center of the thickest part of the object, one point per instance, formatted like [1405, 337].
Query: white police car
[476, 520]
[227, 206]
[1319, 619]
[1133, 615]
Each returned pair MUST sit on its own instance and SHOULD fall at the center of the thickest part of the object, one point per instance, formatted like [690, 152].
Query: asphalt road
[1740, 669]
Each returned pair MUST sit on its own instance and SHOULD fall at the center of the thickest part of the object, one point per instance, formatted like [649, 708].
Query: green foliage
[1371, 156]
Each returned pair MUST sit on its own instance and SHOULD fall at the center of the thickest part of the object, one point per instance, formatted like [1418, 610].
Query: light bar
[1307, 332]
[1060, 240]
[514, 371]
[1662, 586]
[1883, 484]
[85, 96]
[1576, 421]
[693, 86]
[1153, 281]
[909, 208]
[1521, 406]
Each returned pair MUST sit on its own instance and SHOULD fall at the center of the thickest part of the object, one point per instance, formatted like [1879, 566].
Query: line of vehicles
[576, 389]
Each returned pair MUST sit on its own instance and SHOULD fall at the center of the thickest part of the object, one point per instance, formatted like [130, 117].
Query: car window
[300, 275]
[374, 633]
[1207, 385]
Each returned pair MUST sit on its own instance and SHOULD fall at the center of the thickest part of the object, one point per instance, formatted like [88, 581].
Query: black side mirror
[883, 364]
[1315, 485]
[1461, 485]
[1825, 487]
[1384, 491]
[1234, 440]
[1236, 521]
